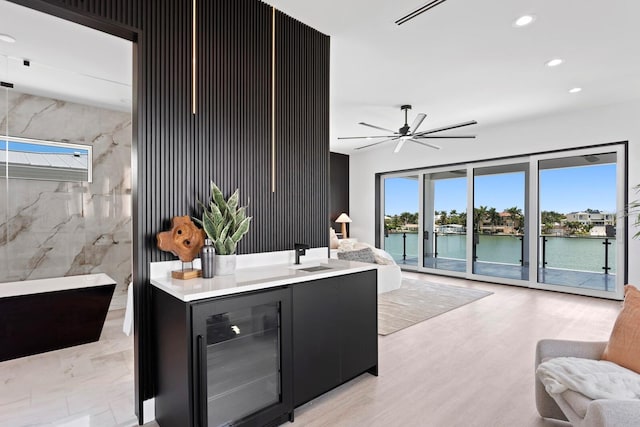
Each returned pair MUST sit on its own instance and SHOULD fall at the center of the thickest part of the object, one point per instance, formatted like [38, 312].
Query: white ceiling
[463, 60]
[68, 61]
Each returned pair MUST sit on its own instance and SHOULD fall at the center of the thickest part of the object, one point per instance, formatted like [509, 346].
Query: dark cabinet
[316, 352]
[249, 359]
[358, 314]
[334, 332]
[242, 349]
[235, 369]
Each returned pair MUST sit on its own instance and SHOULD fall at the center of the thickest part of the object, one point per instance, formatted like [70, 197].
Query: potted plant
[225, 223]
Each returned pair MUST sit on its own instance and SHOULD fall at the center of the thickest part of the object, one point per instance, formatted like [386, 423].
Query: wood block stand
[190, 273]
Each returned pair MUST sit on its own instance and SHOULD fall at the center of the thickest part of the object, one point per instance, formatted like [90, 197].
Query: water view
[571, 253]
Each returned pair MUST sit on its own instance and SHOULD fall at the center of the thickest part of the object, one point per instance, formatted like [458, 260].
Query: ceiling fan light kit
[410, 133]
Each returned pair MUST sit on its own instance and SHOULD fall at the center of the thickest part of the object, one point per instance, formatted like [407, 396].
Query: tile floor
[86, 385]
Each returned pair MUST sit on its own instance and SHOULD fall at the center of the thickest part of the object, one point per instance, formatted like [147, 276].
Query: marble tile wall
[53, 229]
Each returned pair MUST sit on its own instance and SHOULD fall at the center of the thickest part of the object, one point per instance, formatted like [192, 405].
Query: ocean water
[572, 253]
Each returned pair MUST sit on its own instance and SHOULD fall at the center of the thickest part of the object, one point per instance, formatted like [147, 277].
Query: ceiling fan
[410, 133]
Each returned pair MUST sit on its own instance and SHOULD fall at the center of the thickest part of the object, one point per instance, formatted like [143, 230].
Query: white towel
[596, 379]
[127, 327]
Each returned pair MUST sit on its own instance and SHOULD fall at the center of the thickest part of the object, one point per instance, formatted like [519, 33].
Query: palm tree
[494, 218]
[462, 219]
[516, 216]
[479, 216]
[443, 217]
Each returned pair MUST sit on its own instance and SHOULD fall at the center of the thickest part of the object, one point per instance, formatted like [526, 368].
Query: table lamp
[343, 219]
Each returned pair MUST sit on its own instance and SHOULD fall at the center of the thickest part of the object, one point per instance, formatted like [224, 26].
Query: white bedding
[596, 379]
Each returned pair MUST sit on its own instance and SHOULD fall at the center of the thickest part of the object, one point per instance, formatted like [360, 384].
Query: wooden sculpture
[184, 240]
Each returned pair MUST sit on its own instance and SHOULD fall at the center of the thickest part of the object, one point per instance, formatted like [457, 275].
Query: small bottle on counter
[207, 259]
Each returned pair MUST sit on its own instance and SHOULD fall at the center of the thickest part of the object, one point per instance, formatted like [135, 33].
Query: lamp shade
[343, 218]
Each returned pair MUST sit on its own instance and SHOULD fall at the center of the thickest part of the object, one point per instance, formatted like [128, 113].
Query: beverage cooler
[242, 359]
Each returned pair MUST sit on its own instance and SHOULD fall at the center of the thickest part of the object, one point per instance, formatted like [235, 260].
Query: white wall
[613, 123]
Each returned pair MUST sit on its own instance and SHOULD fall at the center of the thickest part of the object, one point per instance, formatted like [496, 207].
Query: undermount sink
[314, 268]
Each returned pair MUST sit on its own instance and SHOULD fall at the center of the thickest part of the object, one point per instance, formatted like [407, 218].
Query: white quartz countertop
[39, 286]
[255, 278]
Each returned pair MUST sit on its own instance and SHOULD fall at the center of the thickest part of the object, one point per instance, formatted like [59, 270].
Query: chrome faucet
[300, 250]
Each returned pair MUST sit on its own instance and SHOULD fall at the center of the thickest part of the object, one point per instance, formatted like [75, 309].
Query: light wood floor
[472, 366]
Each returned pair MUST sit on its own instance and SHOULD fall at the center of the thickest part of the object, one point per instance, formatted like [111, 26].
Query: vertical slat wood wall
[176, 153]
[302, 134]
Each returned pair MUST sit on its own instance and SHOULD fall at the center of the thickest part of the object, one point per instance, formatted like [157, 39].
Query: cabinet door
[316, 350]
[358, 299]
[242, 357]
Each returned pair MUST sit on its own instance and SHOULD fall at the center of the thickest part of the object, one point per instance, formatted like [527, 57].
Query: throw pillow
[346, 245]
[624, 344]
[334, 242]
[362, 255]
[383, 260]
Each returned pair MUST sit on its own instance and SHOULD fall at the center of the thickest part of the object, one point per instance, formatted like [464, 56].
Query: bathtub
[49, 314]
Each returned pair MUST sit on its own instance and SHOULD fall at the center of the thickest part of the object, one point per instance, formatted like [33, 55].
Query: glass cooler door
[239, 348]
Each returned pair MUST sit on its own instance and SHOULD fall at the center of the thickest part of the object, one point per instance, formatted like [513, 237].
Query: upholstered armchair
[575, 407]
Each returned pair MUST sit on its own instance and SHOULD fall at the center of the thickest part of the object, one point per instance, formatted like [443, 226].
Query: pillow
[334, 242]
[346, 245]
[362, 255]
[624, 344]
[383, 260]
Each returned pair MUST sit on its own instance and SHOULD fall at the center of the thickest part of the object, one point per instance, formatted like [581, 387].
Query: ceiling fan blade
[426, 144]
[366, 137]
[377, 127]
[417, 122]
[375, 143]
[459, 125]
[445, 137]
[399, 145]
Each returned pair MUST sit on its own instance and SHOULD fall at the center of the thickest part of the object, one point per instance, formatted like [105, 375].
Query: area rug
[416, 301]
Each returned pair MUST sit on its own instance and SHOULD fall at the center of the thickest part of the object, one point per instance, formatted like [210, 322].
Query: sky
[37, 148]
[562, 190]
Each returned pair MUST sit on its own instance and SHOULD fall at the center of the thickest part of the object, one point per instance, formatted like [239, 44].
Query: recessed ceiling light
[575, 90]
[524, 20]
[554, 62]
[7, 38]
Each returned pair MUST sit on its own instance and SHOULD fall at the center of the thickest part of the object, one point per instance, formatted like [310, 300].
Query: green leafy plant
[223, 221]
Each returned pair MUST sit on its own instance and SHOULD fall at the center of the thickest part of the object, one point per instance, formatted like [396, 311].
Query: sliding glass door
[445, 220]
[548, 221]
[578, 240]
[499, 221]
[401, 213]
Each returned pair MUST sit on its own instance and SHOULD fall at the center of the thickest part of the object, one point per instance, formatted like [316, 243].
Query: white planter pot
[225, 265]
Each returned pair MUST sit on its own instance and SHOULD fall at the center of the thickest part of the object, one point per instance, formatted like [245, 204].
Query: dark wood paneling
[125, 12]
[176, 153]
[339, 188]
[233, 136]
[302, 135]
